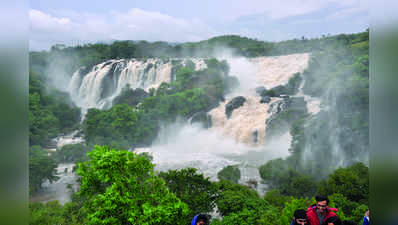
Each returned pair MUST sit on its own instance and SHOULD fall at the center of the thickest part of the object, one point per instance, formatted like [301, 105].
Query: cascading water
[230, 141]
[250, 118]
[59, 190]
[104, 82]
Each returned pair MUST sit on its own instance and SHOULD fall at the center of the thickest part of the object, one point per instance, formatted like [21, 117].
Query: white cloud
[276, 9]
[346, 13]
[44, 22]
[135, 24]
[253, 18]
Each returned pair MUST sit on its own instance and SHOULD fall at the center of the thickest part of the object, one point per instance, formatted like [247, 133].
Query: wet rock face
[266, 94]
[265, 99]
[255, 136]
[234, 104]
[202, 118]
[283, 114]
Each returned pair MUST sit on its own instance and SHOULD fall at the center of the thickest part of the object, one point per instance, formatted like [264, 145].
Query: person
[318, 213]
[366, 218]
[200, 219]
[299, 217]
[334, 220]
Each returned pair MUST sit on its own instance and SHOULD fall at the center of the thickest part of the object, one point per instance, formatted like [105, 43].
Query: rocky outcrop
[202, 118]
[255, 137]
[265, 94]
[265, 99]
[283, 113]
[234, 104]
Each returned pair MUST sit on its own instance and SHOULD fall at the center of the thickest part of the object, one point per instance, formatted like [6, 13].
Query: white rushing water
[228, 142]
[68, 139]
[59, 190]
[250, 118]
[184, 145]
[104, 82]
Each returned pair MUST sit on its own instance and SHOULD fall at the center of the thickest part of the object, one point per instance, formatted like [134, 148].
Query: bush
[231, 173]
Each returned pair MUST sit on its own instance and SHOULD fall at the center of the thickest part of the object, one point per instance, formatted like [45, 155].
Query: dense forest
[120, 187]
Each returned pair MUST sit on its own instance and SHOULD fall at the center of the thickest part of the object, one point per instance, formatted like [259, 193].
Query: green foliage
[118, 124]
[121, 188]
[71, 213]
[231, 173]
[71, 153]
[192, 189]
[358, 213]
[118, 187]
[70, 59]
[275, 198]
[130, 97]
[290, 207]
[343, 204]
[49, 113]
[43, 125]
[41, 168]
[270, 217]
[45, 213]
[234, 197]
[278, 175]
[344, 70]
[127, 126]
[352, 182]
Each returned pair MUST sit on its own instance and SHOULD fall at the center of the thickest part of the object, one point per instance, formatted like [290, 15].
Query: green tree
[352, 182]
[192, 188]
[233, 198]
[290, 207]
[239, 204]
[121, 188]
[275, 198]
[231, 173]
[278, 175]
[42, 167]
[49, 113]
[45, 213]
[72, 153]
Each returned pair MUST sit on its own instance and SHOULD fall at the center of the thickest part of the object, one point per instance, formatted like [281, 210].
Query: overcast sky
[73, 22]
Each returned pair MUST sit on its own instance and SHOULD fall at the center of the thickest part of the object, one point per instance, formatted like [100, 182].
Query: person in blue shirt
[366, 218]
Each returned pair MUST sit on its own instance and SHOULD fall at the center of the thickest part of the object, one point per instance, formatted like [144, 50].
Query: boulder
[283, 113]
[234, 104]
[265, 99]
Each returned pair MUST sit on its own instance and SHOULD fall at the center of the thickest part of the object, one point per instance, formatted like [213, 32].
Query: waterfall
[238, 139]
[248, 120]
[98, 87]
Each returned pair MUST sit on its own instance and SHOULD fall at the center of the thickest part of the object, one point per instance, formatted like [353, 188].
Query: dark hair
[300, 214]
[202, 217]
[349, 222]
[321, 198]
[334, 219]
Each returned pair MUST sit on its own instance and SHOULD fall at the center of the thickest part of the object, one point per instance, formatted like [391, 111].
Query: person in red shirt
[318, 213]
